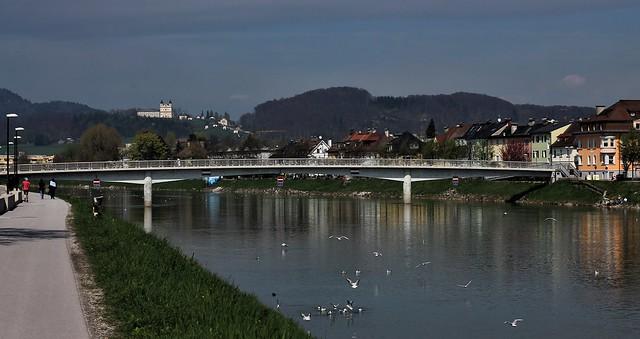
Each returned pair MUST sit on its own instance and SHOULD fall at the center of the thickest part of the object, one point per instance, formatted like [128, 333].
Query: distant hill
[332, 112]
[50, 121]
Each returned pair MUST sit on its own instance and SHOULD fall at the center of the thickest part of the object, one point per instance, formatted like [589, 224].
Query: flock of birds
[348, 309]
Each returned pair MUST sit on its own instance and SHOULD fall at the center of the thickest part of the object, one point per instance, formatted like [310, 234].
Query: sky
[230, 55]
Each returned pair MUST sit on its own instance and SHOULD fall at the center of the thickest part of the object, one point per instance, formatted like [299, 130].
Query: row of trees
[104, 143]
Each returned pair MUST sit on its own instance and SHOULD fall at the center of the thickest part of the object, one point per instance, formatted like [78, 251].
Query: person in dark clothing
[41, 188]
[52, 188]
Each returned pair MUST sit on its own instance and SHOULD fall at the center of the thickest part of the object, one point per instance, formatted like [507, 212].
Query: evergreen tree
[431, 130]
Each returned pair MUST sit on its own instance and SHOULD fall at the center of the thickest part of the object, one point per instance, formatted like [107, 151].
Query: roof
[453, 133]
[623, 110]
[364, 136]
[484, 130]
[550, 127]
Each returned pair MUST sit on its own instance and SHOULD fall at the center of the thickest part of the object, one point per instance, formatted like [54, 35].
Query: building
[369, 144]
[477, 138]
[564, 151]
[304, 148]
[543, 137]
[165, 112]
[405, 145]
[455, 134]
[597, 139]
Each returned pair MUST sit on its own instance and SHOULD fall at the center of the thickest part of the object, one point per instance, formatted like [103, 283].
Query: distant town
[603, 146]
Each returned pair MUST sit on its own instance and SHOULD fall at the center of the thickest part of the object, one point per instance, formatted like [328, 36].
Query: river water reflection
[521, 265]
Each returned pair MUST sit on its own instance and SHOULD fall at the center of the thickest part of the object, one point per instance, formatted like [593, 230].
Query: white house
[320, 150]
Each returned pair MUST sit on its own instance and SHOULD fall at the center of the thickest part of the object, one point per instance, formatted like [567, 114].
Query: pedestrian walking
[25, 189]
[41, 188]
[52, 188]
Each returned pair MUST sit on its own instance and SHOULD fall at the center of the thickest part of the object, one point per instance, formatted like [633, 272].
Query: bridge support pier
[147, 191]
[406, 188]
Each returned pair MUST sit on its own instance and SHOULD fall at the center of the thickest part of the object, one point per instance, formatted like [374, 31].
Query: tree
[514, 151]
[630, 150]
[194, 150]
[251, 143]
[99, 143]
[431, 130]
[480, 150]
[148, 146]
[171, 140]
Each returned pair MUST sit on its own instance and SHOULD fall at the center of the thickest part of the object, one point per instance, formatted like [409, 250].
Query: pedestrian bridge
[405, 170]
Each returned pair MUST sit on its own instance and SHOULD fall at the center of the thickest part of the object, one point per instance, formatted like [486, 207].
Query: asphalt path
[38, 293]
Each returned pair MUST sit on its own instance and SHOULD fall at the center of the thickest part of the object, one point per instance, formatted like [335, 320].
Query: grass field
[152, 290]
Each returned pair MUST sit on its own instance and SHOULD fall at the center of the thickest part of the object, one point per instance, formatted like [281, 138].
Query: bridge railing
[270, 163]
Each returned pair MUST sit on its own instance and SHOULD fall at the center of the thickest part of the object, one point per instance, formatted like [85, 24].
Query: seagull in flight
[354, 284]
[513, 323]
[377, 253]
[465, 285]
[552, 219]
[306, 317]
[423, 264]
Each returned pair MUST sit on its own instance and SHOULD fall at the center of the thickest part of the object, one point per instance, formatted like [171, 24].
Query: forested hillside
[334, 111]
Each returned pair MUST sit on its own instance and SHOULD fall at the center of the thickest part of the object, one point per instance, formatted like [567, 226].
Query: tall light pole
[9, 116]
[16, 140]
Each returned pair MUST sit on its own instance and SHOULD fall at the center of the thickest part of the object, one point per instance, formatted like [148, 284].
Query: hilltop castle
[165, 112]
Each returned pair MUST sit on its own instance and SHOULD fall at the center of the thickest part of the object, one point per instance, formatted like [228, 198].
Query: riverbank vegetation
[477, 188]
[152, 290]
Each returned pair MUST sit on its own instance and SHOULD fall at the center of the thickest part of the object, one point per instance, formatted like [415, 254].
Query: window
[544, 154]
[535, 154]
[579, 143]
[578, 160]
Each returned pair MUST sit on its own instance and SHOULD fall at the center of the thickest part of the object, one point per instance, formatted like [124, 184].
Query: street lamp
[9, 116]
[16, 140]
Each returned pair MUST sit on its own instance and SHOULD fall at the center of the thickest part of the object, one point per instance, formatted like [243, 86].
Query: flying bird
[377, 253]
[423, 264]
[354, 284]
[513, 323]
[465, 285]
[306, 317]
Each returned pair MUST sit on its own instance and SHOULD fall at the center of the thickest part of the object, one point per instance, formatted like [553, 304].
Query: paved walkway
[38, 294]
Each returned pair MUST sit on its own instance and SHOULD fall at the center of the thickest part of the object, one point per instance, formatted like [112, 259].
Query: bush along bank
[152, 290]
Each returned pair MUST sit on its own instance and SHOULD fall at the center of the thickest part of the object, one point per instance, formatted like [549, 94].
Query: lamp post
[8, 116]
[16, 140]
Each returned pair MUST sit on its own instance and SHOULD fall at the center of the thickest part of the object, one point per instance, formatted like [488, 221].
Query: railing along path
[275, 163]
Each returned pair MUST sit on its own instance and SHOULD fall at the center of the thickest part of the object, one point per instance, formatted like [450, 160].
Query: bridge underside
[396, 174]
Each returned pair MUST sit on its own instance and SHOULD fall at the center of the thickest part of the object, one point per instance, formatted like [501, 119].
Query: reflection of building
[165, 112]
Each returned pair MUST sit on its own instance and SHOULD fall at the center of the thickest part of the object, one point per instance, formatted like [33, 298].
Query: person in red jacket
[25, 189]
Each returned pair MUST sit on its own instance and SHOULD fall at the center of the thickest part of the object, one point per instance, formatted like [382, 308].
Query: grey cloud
[73, 18]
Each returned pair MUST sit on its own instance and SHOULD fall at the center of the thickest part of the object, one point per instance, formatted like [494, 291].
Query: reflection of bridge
[405, 170]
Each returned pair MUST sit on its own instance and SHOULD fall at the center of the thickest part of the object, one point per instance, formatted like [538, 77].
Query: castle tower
[166, 111]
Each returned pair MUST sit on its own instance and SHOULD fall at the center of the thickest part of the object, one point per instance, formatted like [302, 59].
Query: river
[521, 263]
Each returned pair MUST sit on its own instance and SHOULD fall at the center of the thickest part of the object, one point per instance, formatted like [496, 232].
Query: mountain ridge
[333, 111]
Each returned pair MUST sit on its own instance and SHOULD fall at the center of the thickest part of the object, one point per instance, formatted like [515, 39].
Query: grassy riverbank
[152, 290]
[493, 190]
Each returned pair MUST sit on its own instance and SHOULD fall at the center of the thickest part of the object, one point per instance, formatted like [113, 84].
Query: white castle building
[165, 112]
